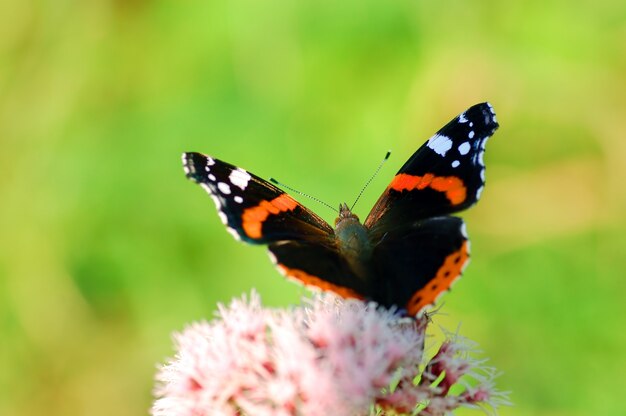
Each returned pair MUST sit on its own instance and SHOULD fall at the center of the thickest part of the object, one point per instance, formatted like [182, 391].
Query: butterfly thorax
[353, 240]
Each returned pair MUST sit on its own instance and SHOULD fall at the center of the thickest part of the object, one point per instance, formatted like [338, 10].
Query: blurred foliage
[105, 248]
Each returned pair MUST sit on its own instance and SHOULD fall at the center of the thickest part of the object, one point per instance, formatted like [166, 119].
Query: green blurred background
[105, 247]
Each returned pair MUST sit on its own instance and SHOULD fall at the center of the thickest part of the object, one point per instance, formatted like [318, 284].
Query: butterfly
[407, 252]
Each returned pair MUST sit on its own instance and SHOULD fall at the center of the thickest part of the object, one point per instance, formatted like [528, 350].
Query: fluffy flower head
[329, 356]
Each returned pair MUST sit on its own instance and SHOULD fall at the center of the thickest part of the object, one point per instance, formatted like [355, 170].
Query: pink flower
[328, 357]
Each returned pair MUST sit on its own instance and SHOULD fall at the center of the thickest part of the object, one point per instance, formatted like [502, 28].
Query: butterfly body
[353, 241]
[408, 250]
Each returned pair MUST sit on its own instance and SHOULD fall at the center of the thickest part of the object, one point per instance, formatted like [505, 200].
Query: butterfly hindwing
[445, 175]
[319, 266]
[253, 209]
[419, 262]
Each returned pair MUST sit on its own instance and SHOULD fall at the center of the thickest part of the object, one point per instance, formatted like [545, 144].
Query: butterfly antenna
[371, 178]
[275, 182]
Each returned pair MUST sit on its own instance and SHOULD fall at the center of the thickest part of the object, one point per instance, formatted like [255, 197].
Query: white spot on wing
[234, 233]
[238, 199]
[493, 113]
[217, 202]
[224, 188]
[240, 178]
[462, 118]
[282, 271]
[456, 163]
[464, 230]
[440, 144]
[207, 188]
[223, 217]
[479, 192]
[464, 148]
[471, 134]
[185, 164]
[272, 257]
[211, 177]
[210, 161]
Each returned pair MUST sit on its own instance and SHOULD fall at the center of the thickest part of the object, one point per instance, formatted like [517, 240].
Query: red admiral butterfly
[406, 253]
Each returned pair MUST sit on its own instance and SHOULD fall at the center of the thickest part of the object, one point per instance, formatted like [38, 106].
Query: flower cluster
[327, 357]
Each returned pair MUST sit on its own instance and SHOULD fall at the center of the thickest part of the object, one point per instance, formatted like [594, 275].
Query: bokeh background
[105, 247]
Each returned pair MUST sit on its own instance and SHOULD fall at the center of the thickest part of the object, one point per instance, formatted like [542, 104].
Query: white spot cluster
[209, 162]
[462, 118]
[463, 149]
[493, 113]
[440, 144]
[481, 163]
[240, 178]
[220, 212]
[481, 151]
[216, 190]
[237, 177]
[186, 164]
[482, 172]
[215, 199]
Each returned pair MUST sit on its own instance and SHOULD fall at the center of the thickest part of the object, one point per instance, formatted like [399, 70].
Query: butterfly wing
[254, 210]
[419, 262]
[418, 250]
[318, 266]
[445, 175]
[301, 244]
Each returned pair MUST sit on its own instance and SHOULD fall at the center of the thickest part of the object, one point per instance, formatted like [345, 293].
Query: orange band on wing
[252, 218]
[449, 271]
[453, 187]
[310, 280]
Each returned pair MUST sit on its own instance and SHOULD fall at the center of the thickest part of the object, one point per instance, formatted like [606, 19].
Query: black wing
[318, 266]
[301, 244]
[445, 175]
[253, 209]
[419, 262]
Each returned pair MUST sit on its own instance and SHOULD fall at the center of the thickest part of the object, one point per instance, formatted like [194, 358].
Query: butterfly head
[345, 215]
[352, 240]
